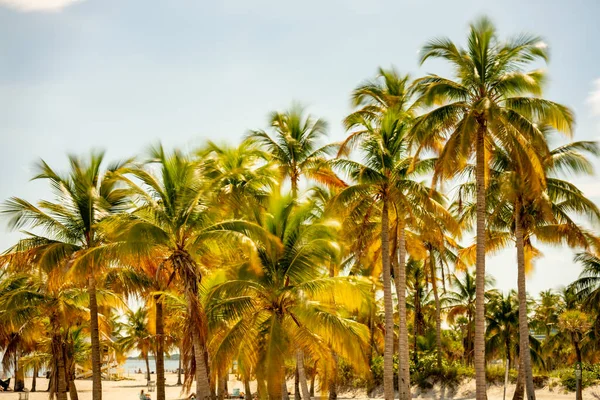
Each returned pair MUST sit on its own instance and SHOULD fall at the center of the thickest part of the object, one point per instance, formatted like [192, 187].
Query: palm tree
[492, 102]
[137, 335]
[417, 286]
[240, 177]
[279, 300]
[437, 234]
[546, 312]
[518, 212]
[39, 305]
[168, 226]
[293, 147]
[460, 302]
[385, 185]
[69, 235]
[502, 325]
[587, 286]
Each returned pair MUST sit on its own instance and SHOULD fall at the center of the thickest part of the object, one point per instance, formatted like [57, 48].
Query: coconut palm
[167, 226]
[240, 177]
[417, 287]
[68, 233]
[520, 213]
[491, 102]
[502, 325]
[587, 286]
[279, 300]
[547, 311]
[42, 307]
[460, 302]
[385, 185]
[294, 148]
[136, 335]
[437, 234]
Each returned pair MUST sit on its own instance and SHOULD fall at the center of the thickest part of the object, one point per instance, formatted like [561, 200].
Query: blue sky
[122, 74]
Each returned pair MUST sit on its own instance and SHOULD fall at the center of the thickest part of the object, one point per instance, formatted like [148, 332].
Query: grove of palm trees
[313, 268]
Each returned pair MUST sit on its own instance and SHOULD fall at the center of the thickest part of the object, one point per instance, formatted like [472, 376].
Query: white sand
[130, 389]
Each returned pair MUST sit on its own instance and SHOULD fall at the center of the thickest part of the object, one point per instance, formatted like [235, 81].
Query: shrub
[567, 379]
[426, 372]
[495, 374]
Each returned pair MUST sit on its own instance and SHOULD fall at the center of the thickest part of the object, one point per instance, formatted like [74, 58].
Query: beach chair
[23, 395]
[4, 384]
[151, 386]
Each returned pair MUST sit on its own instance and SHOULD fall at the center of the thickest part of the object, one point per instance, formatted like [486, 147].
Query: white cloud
[37, 5]
[594, 98]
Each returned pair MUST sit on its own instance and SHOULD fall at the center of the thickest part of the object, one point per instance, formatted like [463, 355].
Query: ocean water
[132, 366]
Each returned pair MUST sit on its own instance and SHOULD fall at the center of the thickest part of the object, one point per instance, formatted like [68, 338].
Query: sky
[123, 74]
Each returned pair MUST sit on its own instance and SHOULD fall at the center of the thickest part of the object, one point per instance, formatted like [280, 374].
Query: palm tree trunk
[403, 353]
[202, 383]
[61, 378]
[262, 388]
[34, 379]
[147, 361]
[577, 348]
[520, 387]
[525, 356]
[73, 390]
[297, 385]
[179, 383]
[388, 354]
[480, 382]
[160, 355]
[95, 339]
[438, 317]
[222, 390]
[284, 390]
[302, 375]
[333, 382]
[334, 374]
[417, 297]
[575, 339]
[247, 390]
[19, 376]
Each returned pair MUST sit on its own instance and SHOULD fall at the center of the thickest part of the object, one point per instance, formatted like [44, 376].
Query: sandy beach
[130, 388]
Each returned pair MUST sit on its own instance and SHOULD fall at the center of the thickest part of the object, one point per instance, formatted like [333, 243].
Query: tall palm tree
[295, 150]
[437, 234]
[417, 286]
[294, 147]
[168, 225]
[518, 212]
[385, 185]
[491, 102]
[68, 228]
[279, 300]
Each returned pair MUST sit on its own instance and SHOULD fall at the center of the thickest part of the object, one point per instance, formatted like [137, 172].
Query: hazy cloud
[37, 5]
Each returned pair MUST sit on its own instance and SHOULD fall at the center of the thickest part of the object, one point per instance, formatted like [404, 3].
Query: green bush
[495, 374]
[426, 372]
[568, 381]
